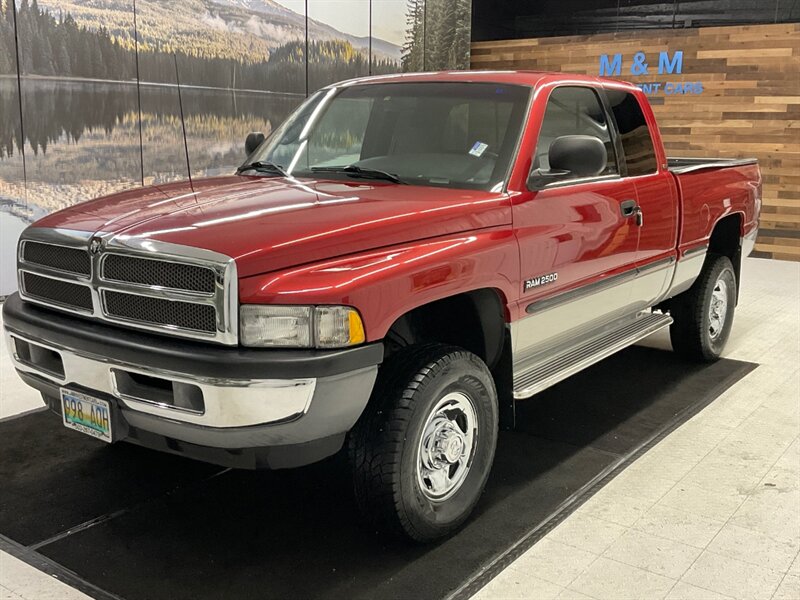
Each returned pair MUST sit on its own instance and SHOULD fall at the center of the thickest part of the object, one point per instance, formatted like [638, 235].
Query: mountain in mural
[63, 46]
[317, 29]
[244, 30]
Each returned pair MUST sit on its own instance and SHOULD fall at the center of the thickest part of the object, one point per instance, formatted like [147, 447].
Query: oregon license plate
[88, 415]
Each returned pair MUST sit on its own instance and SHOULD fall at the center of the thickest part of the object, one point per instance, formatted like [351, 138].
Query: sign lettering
[612, 65]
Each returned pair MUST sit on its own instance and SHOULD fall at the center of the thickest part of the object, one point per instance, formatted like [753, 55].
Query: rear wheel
[703, 315]
[422, 451]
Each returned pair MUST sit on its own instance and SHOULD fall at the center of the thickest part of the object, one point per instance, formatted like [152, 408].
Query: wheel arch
[475, 320]
[726, 240]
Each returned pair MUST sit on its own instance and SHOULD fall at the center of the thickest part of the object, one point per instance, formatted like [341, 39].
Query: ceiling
[508, 19]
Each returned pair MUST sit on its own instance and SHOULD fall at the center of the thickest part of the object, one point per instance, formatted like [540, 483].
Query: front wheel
[422, 450]
[703, 315]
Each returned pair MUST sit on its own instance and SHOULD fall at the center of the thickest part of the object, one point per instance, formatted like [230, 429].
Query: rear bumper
[180, 394]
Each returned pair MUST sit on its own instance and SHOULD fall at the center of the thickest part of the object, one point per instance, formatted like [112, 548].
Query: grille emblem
[95, 245]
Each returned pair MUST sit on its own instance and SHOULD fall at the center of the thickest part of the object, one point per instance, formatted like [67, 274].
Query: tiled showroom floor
[712, 511]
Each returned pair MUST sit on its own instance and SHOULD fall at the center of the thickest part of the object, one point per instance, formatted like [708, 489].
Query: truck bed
[687, 165]
[710, 188]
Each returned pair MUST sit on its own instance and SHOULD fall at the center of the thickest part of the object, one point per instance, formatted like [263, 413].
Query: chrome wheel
[718, 309]
[447, 446]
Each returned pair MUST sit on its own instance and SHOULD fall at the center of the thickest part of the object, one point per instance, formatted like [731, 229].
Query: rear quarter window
[637, 143]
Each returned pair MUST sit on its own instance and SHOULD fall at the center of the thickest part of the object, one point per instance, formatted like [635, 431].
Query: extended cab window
[640, 155]
[573, 111]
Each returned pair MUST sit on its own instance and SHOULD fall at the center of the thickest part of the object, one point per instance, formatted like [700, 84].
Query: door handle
[628, 208]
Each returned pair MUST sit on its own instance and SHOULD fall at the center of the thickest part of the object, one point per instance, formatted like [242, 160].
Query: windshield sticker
[478, 148]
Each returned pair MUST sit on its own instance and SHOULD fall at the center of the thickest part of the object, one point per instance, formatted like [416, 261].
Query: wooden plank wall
[750, 105]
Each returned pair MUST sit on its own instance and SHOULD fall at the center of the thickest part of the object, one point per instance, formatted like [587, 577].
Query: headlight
[264, 325]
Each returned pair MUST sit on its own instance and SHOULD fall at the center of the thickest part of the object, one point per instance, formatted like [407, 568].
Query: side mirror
[580, 155]
[253, 141]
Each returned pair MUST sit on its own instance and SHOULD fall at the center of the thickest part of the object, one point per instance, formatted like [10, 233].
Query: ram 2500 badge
[389, 271]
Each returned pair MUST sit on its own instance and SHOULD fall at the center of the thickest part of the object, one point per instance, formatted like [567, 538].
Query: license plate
[88, 415]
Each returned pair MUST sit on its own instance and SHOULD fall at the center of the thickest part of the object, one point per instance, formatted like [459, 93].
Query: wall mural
[95, 107]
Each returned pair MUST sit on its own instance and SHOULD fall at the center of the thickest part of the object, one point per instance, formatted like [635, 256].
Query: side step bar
[548, 370]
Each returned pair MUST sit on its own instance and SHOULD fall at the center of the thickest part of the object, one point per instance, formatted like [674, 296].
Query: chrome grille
[58, 292]
[130, 269]
[187, 315]
[138, 282]
[71, 260]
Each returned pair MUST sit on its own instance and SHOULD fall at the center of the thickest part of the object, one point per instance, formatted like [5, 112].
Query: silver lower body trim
[226, 402]
[541, 372]
[687, 271]
[566, 334]
[749, 242]
[561, 320]
[652, 284]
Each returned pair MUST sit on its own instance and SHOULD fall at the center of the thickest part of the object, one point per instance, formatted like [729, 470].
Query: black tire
[691, 332]
[384, 446]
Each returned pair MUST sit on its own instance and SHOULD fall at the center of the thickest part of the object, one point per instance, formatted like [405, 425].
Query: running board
[538, 375]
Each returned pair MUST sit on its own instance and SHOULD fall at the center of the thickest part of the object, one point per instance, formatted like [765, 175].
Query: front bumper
[175, 395]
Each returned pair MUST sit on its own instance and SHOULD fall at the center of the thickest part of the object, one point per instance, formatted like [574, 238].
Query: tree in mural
[437, 35]
[9, 100]
[413, 57]
[8, 64]
[58, 46]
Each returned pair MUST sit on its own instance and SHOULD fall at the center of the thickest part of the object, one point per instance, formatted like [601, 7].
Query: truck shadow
[187, 530]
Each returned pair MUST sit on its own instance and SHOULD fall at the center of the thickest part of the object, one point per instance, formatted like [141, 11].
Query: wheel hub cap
[718, 309]
[453, 448]
[446, 446]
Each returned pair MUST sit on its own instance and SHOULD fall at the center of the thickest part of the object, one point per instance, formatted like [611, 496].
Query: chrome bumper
[226, 403]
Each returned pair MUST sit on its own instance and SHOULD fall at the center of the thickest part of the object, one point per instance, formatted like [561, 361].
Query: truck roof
[528, 78]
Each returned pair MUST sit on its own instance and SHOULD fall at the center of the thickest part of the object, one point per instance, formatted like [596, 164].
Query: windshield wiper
[263, 167]
[359, 172]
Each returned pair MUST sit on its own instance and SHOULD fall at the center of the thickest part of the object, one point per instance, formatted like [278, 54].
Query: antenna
[308, 62]
[183, 122]
[19, 98]
[138, 89]
[369, 69]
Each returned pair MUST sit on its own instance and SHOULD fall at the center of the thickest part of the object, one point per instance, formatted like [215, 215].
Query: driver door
[577, 244]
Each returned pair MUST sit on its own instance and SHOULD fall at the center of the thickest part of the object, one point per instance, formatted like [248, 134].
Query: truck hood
[267, 224]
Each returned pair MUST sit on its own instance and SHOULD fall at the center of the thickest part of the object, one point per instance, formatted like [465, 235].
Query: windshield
[458, 135]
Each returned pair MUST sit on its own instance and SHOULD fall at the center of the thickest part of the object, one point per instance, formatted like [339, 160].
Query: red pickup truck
[390, 270]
